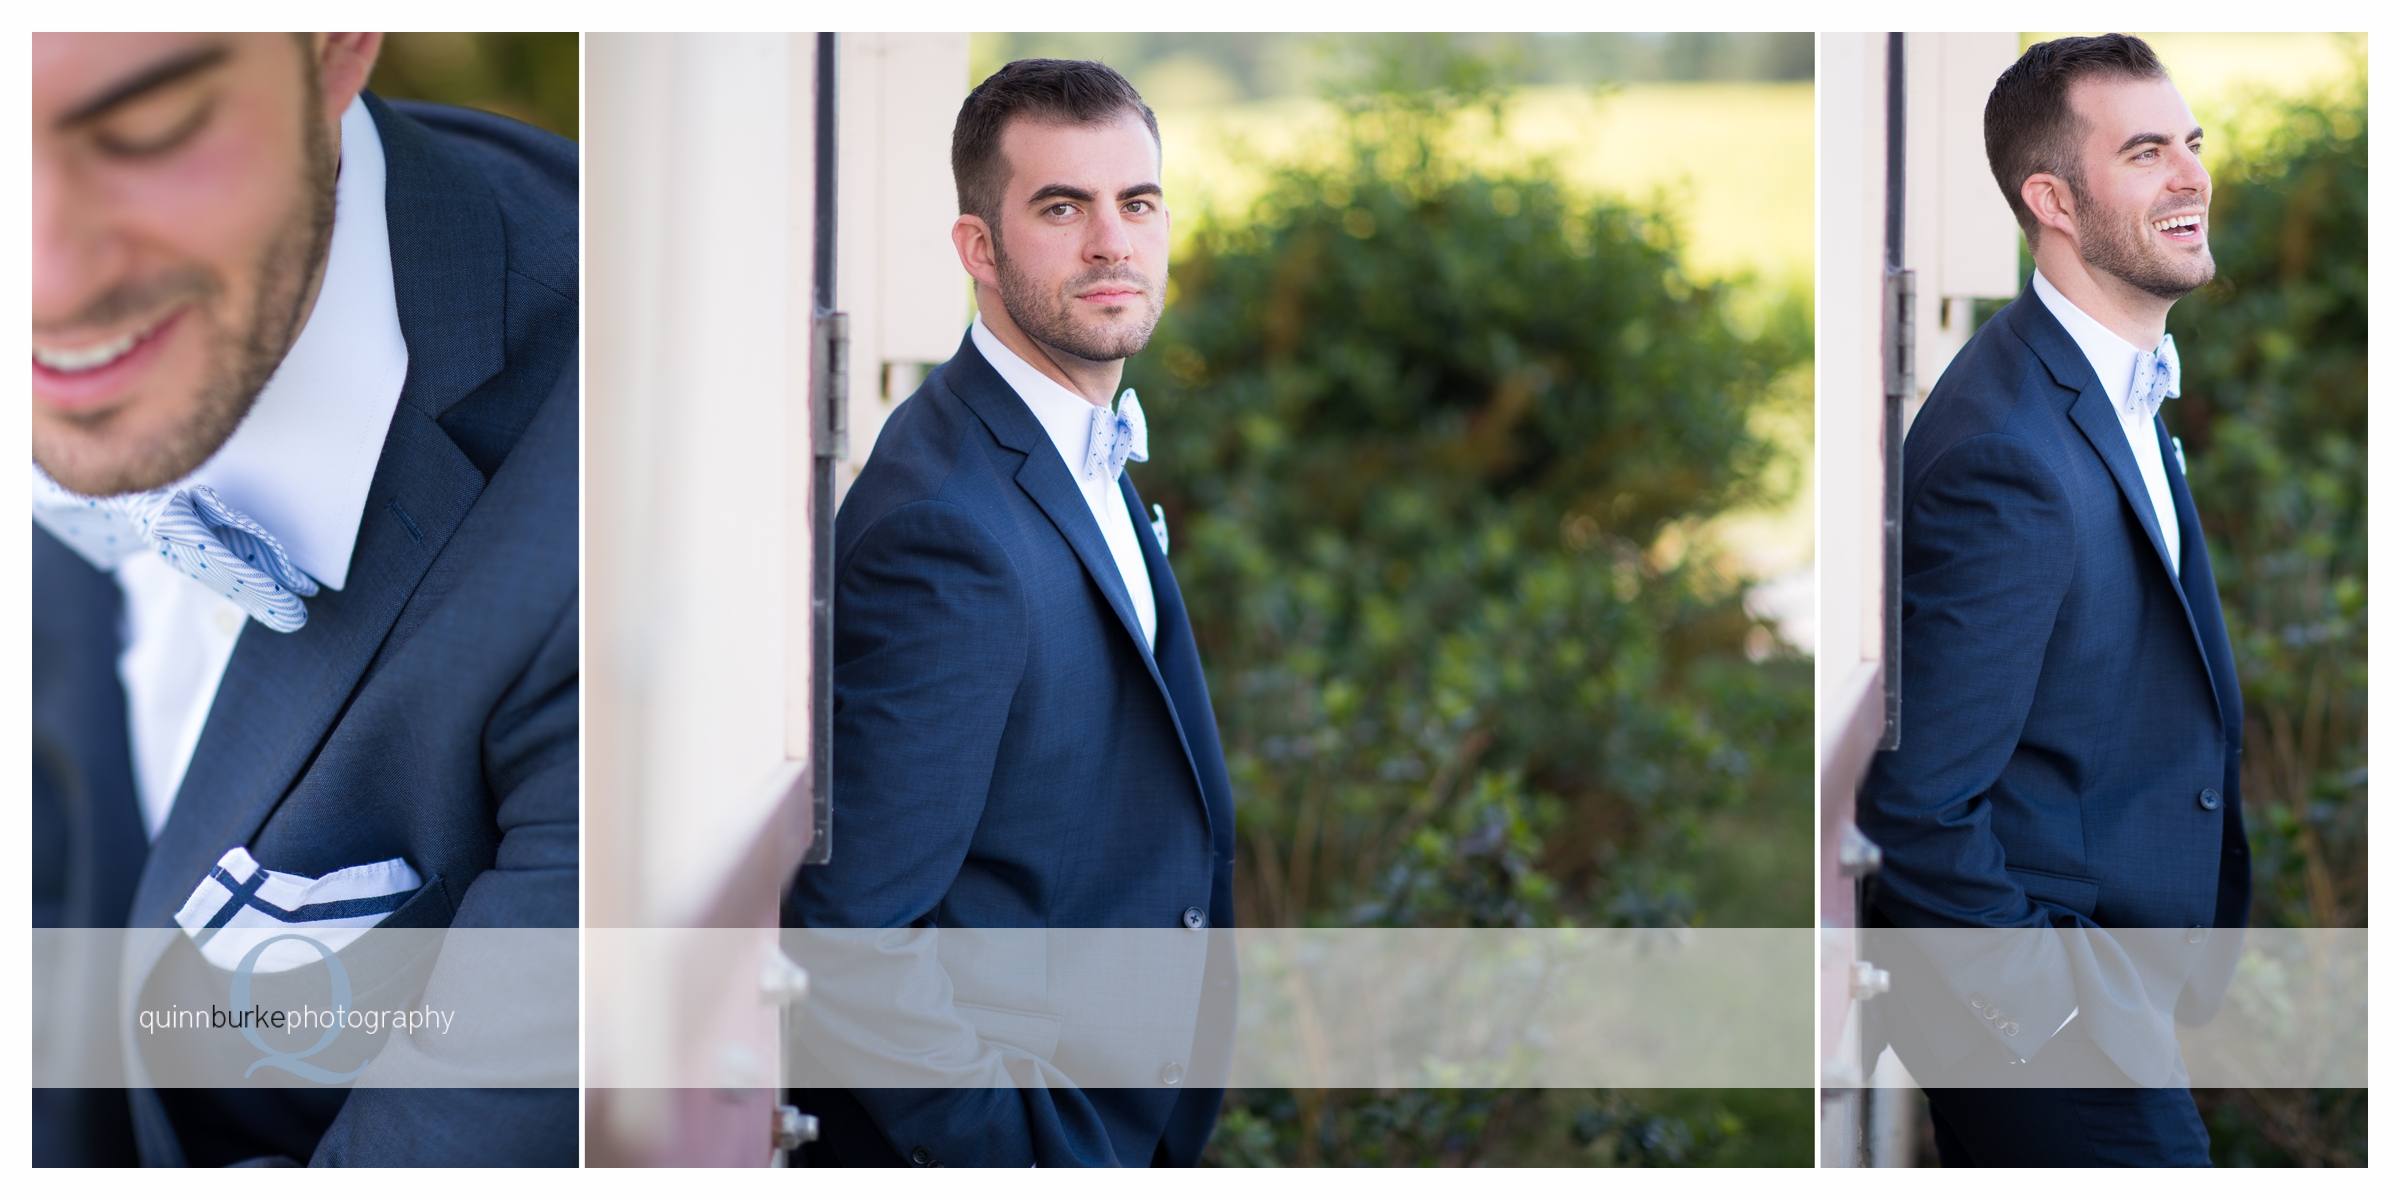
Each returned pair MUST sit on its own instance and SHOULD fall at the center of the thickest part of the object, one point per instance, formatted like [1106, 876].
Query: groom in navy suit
[304, 556]
[2070, 763]
[1022, 735]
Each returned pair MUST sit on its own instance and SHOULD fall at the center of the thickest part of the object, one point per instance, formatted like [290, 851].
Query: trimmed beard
[2109, 247]
[241, 360]
[1050, 320]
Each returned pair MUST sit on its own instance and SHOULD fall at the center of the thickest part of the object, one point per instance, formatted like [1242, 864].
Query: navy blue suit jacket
[1008, 754]
[2071, 727]
[427, 710]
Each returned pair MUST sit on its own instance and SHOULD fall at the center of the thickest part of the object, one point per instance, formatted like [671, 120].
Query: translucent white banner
[389, 1008]
[1123, 1008]
[2089, 1007]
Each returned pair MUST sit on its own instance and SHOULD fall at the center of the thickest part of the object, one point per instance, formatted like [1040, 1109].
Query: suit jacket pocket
[1032, 1032]
[2076, 893]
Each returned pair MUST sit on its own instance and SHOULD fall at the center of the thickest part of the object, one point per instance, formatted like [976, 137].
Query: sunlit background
[533, 77]
[1480, 413]
[1717, 126]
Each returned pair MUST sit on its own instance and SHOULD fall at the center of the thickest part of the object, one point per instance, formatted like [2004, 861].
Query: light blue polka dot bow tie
[2156, 376]
[200, 535]
[1116, 437]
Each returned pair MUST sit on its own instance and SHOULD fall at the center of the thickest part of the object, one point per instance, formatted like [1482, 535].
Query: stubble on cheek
[1050, 318]
[157, 440]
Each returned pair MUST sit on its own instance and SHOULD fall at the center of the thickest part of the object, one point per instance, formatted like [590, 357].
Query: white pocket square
[241, 905]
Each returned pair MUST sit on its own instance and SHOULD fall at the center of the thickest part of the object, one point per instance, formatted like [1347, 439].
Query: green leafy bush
[2273, 419]
[1438, 446]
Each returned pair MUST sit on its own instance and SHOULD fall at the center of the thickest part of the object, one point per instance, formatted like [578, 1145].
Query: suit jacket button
[1171, 1074]
[921, 1156]
[2195, 935]
[1194, 919]
[2209, 799]
[2010, 1029]
[1979, 1002]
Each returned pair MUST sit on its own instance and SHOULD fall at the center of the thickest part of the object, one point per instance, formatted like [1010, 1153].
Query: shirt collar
[301, 462]
[2111, 356]
[1066, 416]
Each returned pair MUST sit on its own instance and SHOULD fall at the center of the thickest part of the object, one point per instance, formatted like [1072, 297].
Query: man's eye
[147, 129]
[1138, 206]
[1060, 210]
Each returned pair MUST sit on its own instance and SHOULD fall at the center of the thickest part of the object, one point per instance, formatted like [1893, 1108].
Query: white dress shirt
[2112, 359]
[299, 465]
[1068, 418]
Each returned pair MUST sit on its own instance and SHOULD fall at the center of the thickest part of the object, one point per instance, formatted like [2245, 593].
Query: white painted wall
[698, 166]
[1850, 157]
[1962, 242]
[697, 288]
[899, 278]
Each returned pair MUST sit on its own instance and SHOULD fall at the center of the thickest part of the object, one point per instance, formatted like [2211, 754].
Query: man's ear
[344, 61]
[976, 249]
[2051, 202]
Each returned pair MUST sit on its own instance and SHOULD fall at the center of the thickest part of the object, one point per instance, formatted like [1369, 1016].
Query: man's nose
[1109, 240]
[2191, 174]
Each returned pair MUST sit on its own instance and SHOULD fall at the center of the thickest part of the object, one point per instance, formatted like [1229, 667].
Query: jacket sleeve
[930, 636]
[1988, 553]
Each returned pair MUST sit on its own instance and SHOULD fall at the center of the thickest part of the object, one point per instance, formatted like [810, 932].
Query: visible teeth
[2171, 224]
[89, 357]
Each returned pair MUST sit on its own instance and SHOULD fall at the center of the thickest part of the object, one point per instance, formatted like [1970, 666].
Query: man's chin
[103, 459]
[1109, 344]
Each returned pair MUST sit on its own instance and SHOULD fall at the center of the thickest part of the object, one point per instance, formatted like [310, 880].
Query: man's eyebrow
[148, 79]
[1060, 191]
[2155, 139]
[1139, 189]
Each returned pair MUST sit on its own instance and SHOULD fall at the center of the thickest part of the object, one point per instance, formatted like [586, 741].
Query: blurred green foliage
[1567, 1127]
[1234, 67]
[2274, 426]
[2273, 419]
[1438, 447]
[532, 77]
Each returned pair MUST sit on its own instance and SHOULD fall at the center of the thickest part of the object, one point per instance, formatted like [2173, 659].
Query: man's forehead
[72, 68]
[2114, 107]
[1106, 153]
[93, 59]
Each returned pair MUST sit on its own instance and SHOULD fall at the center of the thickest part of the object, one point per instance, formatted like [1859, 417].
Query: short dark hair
[1055, 91]
[2030, 129]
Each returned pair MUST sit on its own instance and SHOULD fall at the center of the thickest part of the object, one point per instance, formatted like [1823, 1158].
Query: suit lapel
[2092, 413]
[2200, 595]
[1177, 660]
[282, 693]
[1043, 477]
[2096, 417]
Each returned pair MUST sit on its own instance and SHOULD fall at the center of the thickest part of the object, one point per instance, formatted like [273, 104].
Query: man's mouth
[1112, 296]
[2182, 228]
[82, 360]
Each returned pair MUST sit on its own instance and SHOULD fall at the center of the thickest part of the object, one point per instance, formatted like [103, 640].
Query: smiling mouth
[2179, 226]
[83, 360]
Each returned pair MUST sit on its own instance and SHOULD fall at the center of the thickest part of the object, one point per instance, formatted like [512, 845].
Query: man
[2070, 763]
[1022, 736]
[304, 418]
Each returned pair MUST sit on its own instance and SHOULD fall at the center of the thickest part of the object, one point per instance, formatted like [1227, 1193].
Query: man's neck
[2125, 310]
[1096, 382]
